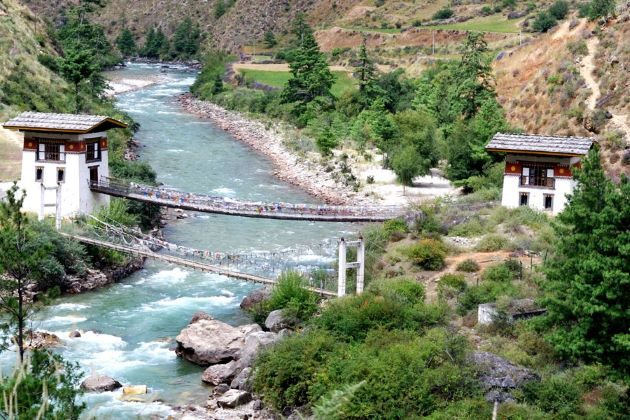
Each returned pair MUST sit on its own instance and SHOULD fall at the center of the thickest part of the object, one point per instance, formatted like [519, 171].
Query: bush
[468, 266]
[601, 9]
[500, 273]
[556, 394]
[543, 22]
[290, 295]
[406, 290]
[428, 254]
[486, 11]
[492, 242]
[559, 9]
[395, 228]
[450, 285]
[443, 13]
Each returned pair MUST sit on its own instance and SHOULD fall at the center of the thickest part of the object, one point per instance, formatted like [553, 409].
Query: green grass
[278, 79]
[494, 23]
[377, 30]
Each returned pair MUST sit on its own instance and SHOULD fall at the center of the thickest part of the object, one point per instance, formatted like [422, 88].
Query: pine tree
[218, 84]
[187, 39]
[311, 76]
[270, 39]
[79, 66]
[366, 72]
[219, 9]
[150, 49]
[125, 43]
[588, 280]
[474, 75]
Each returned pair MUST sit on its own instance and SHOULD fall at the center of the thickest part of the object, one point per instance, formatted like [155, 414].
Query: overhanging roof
[537, 144]
[62, 123]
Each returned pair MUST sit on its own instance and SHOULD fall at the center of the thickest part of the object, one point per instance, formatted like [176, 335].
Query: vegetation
[126, 43]
[588, 277]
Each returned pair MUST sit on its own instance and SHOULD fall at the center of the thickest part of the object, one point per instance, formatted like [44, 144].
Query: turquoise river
[128, 328]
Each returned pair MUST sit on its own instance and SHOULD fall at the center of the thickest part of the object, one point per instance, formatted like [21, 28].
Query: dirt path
[586, 71]
[277, 67]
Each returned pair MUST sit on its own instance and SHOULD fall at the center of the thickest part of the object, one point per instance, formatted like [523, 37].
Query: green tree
[407, 164]
[311, 76]
[77, 67]
[326, 140]
[475, 82]
[187, 39]
[587, 290]
[218, 84]
[43, 387]
[156, 44]
[366, 73]
[20, 264]
[559, 9]
[125, 43]
[544, 21]
[270, 39]
[219, 9]
[601, 9]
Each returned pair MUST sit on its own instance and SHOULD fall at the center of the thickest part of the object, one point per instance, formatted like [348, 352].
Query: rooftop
[68, 123]
[537, 144]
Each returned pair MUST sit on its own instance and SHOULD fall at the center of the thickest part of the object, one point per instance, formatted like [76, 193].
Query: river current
[128, 328]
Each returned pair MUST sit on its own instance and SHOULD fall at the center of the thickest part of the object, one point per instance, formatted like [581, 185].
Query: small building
[62, 154]
[538, 169]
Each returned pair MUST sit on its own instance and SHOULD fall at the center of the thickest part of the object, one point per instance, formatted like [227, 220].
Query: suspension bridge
[120, 238]
[225, 205]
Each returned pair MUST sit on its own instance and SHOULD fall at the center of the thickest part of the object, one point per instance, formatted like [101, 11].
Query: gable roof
[537, 144]
[66, 123]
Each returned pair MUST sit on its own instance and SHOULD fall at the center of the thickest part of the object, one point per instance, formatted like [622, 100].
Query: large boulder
[276, 321]
[255, 298]
[40, 340]
[241, 381]
[218, 374]
[499, 377]
[233, 398]
[209, 341]
[198, 316]
[100, 383]
[254, 342]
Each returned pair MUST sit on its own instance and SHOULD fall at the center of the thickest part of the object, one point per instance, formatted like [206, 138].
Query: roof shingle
[60, 122]
[530, 143]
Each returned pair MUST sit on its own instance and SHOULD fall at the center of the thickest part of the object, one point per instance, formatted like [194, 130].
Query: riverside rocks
[276, 321]
[217, 374]
[209, 342]
[40, 340]
[94, 279]
[234, 398]
[309, 176]
[255, 297]
[100, 383]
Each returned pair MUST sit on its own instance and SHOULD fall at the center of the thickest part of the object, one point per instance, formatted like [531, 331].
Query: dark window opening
[93, 151]
[524, 199]
[538, 175]
[61, 175]
[39, 174]
[94, 175]
[548, 202]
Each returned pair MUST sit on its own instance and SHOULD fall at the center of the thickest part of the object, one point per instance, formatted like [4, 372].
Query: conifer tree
[125, 43]
[270, 39]
[187, 39]
[311, 76]
[588, 279]
[366, 72]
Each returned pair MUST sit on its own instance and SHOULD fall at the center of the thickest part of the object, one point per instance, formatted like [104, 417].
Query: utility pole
[433, 50]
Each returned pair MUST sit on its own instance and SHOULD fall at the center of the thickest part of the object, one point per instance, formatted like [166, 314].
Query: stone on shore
[254, 342]
[499, 376]
[209, 341]
[254, 298]
[233, 398]
[241, 381]
[218, 374]
[199, 315]
[100, 383]
[276, 321]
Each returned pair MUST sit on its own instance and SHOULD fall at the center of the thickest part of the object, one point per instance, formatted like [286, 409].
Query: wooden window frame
[95, 154]
[93, 168]
[545, 197]
[520, 199]
[48, 154]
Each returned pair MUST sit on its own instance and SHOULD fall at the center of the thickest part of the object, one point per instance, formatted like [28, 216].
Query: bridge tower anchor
[359, 264]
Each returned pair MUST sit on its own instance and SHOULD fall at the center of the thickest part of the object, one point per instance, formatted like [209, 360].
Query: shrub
[427, 253]
[290, 295]
[471, 228]
[484, 293]
[468, 266]
[401, 288]
[492, 242]
[543, 22]
[450, 285]
[556, 394]
[443, 13]
[395, 228]
[601, 9]
[500, 273]
[559, 9]
[486, 11]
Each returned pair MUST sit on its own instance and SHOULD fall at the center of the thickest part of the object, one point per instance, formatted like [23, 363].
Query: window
[39, 174]
[93, 151]
[524, 200]
[61, 175]
[52, 150]
[94, 175]
[537, 175]
[548, 201]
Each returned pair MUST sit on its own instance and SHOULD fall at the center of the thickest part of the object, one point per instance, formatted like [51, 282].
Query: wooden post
[341, 281]
[361, 269]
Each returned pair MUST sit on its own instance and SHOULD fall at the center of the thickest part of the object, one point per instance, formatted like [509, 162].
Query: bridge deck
[223, 205]
[186, 263]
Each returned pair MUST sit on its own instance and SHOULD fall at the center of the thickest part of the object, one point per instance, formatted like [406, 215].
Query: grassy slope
[278, 79]
[494, 23]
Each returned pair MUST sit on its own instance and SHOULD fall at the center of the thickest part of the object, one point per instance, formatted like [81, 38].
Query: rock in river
[100, 383]
[209, 341]
[234, 398]
[218, 374]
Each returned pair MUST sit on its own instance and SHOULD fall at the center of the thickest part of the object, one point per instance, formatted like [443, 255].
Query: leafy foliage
[427, 253]
[588, 278]
[187, 39]
[126, 43]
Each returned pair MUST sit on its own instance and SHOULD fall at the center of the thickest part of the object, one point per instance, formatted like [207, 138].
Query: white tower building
[62, 154]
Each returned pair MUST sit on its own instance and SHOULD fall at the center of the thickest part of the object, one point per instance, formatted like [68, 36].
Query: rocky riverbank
[305, 174]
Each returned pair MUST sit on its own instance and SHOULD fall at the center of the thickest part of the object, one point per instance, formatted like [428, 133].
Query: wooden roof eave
[112, 121]
[533, 152]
